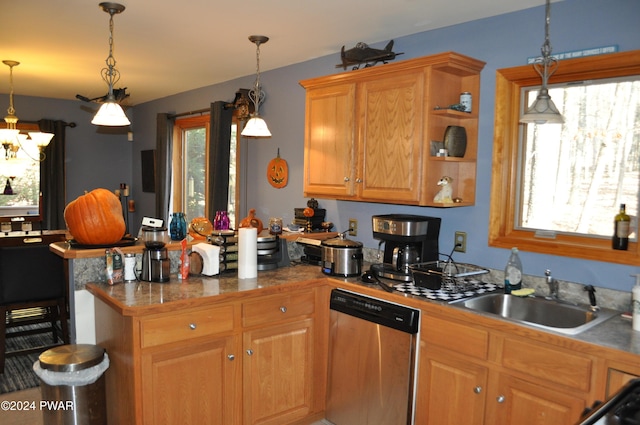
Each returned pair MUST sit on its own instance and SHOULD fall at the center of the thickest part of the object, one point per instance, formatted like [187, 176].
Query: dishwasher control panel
[384, 313]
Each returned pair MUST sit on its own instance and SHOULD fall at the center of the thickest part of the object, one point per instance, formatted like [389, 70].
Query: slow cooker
[341, 257]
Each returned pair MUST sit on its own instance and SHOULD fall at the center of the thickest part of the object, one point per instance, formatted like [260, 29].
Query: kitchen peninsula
[226, 351]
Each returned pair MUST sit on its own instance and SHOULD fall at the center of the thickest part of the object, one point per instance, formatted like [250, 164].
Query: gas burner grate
[443, 295]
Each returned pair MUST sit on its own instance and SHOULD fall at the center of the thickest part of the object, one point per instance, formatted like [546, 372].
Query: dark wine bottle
[621, 224]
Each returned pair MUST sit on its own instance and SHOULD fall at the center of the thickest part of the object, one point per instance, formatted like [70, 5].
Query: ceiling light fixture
[10, 137]
[111, 113]
[256, 126]
[543, 110]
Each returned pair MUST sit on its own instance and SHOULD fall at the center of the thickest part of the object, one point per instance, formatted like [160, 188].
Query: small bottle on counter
[621, 224]
[513, 272]
[635, 304]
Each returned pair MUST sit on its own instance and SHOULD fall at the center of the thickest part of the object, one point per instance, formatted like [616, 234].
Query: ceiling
[164, 47]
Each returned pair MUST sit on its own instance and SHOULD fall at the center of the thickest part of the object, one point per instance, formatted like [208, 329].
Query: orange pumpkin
[308, 212]
[278, 172]
[95, 218]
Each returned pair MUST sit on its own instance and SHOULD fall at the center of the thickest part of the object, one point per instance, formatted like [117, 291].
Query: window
[190, 173]
[23, 176]
[556, 188]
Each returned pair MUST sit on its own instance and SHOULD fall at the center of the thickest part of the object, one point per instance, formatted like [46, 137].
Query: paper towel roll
[247, 253]
[210, 258]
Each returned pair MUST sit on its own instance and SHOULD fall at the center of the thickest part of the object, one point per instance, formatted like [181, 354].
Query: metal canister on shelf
[129, 267]
[465, 100]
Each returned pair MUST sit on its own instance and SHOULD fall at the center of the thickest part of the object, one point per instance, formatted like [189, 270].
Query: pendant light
[543, 110]
[111, 113]
[10, 137]
[256, 126]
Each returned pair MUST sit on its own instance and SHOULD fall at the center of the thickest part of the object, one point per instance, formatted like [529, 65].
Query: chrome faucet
[553, 285]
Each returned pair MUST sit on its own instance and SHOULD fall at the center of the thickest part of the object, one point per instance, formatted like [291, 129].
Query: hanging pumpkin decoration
[278, 172]
[95, 218]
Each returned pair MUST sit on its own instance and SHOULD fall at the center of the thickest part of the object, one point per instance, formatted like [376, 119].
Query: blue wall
[502, 41]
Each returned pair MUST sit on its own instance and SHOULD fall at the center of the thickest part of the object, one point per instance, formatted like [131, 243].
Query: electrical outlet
[353, 227]
[460, 242]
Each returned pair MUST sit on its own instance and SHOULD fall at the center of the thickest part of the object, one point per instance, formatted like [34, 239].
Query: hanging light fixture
[543, 110]
[111, 113]
[10, 137]
[256, 126]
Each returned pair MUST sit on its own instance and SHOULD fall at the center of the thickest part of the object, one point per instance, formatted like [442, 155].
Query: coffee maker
[408, 239]
[155, 260]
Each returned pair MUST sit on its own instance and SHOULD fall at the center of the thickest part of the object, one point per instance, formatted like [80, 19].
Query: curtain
[53, 176]
[164, 134]
[219, 150]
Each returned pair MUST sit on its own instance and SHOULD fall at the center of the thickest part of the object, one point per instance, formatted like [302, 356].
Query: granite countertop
[140, 298]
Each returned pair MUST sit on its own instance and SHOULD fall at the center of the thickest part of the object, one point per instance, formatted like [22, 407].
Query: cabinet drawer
[278, 308]
[551, 364]
[186, 325]
[456, 337]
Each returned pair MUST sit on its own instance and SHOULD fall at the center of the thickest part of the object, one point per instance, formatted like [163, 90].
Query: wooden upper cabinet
[368, 132]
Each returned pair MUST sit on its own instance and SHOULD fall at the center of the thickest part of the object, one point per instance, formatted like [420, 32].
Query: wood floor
[28, 401]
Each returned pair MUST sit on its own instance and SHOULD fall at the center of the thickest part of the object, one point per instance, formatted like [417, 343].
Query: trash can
[72, 384]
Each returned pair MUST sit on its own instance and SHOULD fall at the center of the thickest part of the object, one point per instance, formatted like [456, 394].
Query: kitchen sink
[539, 312]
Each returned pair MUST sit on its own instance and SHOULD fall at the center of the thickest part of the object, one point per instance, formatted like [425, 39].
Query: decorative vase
[455, 140]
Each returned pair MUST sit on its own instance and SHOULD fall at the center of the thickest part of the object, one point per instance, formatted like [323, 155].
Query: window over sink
[556, 188]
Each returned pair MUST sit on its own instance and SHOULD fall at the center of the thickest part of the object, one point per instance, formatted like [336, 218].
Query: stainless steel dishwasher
[372, 359]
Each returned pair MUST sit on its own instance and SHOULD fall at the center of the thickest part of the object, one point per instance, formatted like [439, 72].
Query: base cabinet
[250, 362]
[193, 384]
[481, 376]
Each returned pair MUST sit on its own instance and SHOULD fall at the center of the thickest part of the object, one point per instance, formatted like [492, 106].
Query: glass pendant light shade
[110, 114]
[256, 127]
[41, 139]
[8, 135]
[542, 111]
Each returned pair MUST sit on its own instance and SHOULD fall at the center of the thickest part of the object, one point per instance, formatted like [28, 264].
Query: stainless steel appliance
[408, 239]
[155, 260]
[372, 361]
[341, 256]
[621, 408]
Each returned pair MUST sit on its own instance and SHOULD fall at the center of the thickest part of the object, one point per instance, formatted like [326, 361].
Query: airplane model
[119, 94]
[363, 54]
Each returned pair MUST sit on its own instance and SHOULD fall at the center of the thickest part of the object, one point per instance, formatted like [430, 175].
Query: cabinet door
[329, 156]
[515, 401]
[390, 138]
[451, 391]
[278, 373]
[195, 383]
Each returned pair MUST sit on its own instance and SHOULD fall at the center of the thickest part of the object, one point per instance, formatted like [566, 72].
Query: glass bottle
[513, 272]
[217, 219]
[178, 227]
[621, 224]
[224, 220]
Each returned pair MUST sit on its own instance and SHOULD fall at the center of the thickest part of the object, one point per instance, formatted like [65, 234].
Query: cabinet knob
[192, 326]
[283, 309]
[477, 389]
[500, 399]
[231, 357]
[250, 352]
[346, 179]
[358, 180]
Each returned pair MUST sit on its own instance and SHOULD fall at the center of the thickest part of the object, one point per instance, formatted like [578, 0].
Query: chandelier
[12, 141]
[543, 110]
[111, 113]
[256, 126]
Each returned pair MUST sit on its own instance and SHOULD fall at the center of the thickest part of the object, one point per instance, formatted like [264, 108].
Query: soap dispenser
[635, 304]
